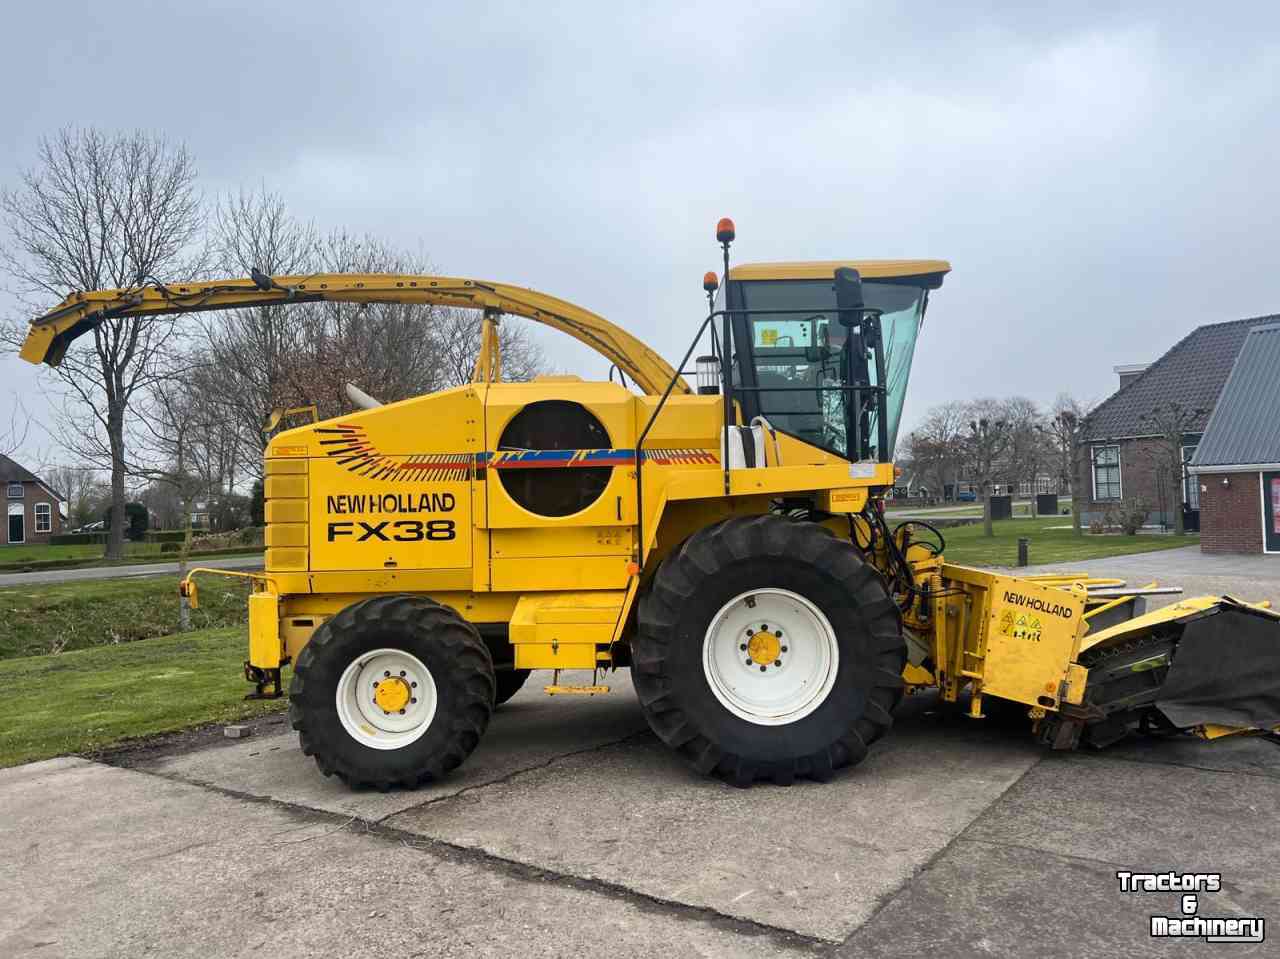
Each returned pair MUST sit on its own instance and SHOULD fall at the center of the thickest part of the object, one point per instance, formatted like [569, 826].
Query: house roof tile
[14, 472]
[1191, 374]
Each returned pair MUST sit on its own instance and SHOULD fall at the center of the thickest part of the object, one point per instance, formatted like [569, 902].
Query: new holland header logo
[351, 447]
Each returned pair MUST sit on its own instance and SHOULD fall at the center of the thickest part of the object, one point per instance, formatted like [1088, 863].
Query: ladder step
[558, 689]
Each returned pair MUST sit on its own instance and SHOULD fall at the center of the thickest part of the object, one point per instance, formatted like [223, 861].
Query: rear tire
[438, 699]
[734, 712]
[509, 683]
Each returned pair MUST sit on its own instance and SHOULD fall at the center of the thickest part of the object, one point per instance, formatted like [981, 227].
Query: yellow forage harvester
[726, 540]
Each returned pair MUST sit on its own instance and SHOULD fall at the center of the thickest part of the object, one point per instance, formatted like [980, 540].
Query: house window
[1190, 482]
[44, 518]
[15, 491]
[1106, 473]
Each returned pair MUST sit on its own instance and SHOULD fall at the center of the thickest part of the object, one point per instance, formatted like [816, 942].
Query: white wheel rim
[761, 691]
[367, 722]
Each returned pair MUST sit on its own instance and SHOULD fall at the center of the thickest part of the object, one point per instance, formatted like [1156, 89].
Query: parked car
[967, 497]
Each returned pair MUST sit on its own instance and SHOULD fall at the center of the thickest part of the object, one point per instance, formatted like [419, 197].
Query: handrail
[653, 418]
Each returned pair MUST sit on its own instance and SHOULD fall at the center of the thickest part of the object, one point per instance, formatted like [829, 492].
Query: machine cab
[817, 365]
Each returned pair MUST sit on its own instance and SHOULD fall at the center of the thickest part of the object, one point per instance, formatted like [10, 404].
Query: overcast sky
[1102, 176]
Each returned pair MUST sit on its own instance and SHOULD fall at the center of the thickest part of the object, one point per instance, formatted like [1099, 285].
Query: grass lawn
[15, 559]
[41, 552]
[54, 617]
[966, 544]
[85, 700]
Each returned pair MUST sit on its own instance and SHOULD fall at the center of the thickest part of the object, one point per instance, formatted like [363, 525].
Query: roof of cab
[930, 270]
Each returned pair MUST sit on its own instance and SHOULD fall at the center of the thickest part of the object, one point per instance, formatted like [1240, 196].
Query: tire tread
[770, 538]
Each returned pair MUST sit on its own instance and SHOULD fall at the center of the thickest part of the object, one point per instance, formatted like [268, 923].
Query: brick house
[1237, 464]
[33, 509]
[1121, 456]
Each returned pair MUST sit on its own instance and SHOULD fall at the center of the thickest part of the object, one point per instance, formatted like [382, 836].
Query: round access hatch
[551, 487]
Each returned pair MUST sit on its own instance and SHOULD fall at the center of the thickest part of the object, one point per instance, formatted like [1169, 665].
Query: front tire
[393, 691]
[709, 664]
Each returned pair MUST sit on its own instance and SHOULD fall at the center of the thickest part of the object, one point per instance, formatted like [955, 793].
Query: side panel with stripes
[392, 487]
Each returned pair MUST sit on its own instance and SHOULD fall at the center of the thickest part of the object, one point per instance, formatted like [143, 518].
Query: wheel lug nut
[764, 669]
[402, 712]
[415, 685]
[414, 700]
[387, 674]
[764, 626]
[402, 672]
[778, 633]
[777, 662]
[375, 684]
[748, 662]
[750, 632]
[784, 649]
[743, 646]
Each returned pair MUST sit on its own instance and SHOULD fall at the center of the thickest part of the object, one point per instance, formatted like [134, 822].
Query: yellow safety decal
[1020, 626]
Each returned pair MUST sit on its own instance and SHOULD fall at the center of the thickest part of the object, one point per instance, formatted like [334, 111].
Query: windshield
[806, 350]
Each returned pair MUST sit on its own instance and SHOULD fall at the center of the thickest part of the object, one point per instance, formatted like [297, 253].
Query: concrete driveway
[572, 830]
[1249, 577]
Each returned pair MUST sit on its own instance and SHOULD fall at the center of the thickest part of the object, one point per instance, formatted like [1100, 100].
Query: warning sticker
[1020, 626]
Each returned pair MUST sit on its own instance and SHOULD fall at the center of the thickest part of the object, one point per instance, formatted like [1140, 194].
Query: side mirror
[849, 296]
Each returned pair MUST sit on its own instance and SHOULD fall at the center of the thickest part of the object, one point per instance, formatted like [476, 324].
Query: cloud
[1098, 174]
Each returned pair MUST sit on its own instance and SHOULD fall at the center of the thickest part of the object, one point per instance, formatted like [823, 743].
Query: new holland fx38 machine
[727, 541]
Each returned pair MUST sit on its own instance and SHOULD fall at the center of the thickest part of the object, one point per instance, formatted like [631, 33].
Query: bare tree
[1063, 432]
[391, 350]
[1025, 452]
[81, 487]
[1169, 423]
[988, 439]
[249, 352]
[262, 359]
[103, 211]
[303, 354]
[168, 453]
[522, 357]
[15, 432]
[937, 446]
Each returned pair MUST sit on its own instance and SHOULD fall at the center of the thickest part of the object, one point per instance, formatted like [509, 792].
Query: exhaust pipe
[361, 398]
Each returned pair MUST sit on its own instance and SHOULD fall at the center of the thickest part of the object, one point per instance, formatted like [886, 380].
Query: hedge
[165, 535]
[78, 539]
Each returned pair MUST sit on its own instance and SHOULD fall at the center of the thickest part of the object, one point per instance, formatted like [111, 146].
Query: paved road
[966, 509]
[571, 830]
[120, 572]
[1249, 577]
